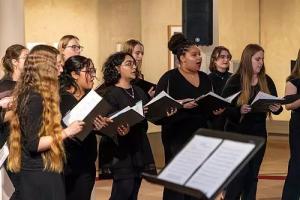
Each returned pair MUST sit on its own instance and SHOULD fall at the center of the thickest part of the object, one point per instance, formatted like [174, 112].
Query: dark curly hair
[179, 45]
[73, 64]
[110, 73]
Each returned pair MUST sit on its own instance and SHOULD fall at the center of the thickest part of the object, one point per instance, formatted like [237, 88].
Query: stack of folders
[127, 116]
[263, 101]
[87, 109]
[207, 163]
[211, 101]
[160, 105]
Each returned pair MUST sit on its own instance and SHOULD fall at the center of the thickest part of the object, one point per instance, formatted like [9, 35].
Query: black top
[253, 123]
[218, 80]
[179, 128]
[133, 154]
[6, 84]
[81, 156]
[296, 83]
[30, 118]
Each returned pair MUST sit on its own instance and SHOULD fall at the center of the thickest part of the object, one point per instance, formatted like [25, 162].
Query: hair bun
[175, 42]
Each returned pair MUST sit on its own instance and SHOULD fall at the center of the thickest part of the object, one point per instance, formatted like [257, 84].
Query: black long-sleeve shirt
[30, 118]
[179, 128]
[253, 123]
[218, 80]
[133, 153]
[81, 156]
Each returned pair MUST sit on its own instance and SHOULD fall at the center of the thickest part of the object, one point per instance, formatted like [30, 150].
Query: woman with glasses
[249, 79]
[80, 171]
[69, 45]
[133, 154]
[219, 68]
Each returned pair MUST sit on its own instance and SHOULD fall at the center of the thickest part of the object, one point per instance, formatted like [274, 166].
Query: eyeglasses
[76, 47]
[130, 64]
[90, 71]
[225, 56]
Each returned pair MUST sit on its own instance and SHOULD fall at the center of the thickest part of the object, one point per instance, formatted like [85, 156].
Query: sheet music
[7, 188]
[219, 166]
[3, 154]
[138, 107]
[83, 108]
[230, 98]
[159, 96]
[189, 159]
[262, 95]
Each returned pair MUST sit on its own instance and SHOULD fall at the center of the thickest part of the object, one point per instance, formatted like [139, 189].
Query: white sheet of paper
[212, 174]
[262, 95]
[3, 154]
[7, 188]
[189, 159]
[138, 107]
[159, 96]
[83, 108]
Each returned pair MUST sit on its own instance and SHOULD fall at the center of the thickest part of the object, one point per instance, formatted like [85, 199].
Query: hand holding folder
[160, 105]
[91, 106]
[263, 101]
[128, 116]
[211, 101]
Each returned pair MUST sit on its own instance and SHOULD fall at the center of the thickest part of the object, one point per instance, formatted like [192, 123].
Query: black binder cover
[262, 105]
[257, 141]
[102, 108]
[210, 103]
[131, 117]
[158, 109]
[144, 85]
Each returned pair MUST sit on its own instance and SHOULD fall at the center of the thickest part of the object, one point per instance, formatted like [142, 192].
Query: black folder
[102, 108]
[262, 105]
[144, 85]
[130, 117]
[252, 144]
[211, 101]
[158, 108]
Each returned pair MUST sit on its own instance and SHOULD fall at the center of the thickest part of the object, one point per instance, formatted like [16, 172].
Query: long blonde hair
[40, 76]
[245, 70]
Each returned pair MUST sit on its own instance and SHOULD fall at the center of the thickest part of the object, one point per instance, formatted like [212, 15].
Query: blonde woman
[69, 46]
[249, 79]
[35, 141]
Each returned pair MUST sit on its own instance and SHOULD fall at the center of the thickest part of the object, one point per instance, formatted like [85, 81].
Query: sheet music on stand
[208, 163]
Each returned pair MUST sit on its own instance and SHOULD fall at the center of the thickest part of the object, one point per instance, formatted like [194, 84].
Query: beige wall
[100, 24]
[280, 33]
[238, 24]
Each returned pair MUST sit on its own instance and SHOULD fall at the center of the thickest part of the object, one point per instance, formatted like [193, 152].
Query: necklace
[131, 93]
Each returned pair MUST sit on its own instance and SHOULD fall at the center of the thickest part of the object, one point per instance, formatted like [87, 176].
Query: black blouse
[296, 83]
[133, 154]
[178, 129]
[81, 155]
[6, 84]
[253, 123]
[218, 80]
[30, 118]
